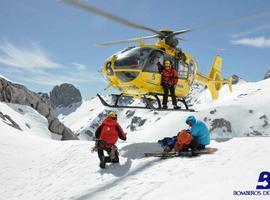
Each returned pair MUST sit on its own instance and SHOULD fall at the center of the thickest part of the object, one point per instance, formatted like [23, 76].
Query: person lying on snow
[176, 143]
[107, 135]
[196, 138]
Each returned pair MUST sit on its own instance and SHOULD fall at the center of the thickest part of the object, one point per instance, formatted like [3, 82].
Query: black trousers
[195, 145]
[166, 89]
[100, 152]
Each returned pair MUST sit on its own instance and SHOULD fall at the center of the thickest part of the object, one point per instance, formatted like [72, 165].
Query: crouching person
[107, 135]
[200, 134]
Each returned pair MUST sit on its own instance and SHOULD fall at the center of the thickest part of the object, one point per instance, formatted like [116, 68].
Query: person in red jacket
[107, 135]
[169, 79]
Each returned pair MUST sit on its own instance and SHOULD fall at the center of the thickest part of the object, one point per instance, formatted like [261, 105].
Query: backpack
[183, 139]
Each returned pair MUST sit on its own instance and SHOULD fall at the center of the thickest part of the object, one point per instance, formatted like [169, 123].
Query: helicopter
[134, 70]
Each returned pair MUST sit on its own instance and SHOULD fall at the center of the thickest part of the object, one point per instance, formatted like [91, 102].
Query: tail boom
[214, 80]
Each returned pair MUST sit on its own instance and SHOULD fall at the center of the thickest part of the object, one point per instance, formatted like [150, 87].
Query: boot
[102, 163]
[164, 107]
[176, 107]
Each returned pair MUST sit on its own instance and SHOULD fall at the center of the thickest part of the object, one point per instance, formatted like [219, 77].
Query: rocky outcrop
[136, 122]
[64, 95]
[221, 123]
[19, 94]
[195, 91]
[45, 97]
[9, 121]
[267, 75]
[235, 79]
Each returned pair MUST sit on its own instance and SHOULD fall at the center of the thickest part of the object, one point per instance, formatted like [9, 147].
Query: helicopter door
[186, 71]
[182, 70]
[151, 73]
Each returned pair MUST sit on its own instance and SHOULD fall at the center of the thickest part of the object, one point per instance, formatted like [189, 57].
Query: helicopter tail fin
[216, 82]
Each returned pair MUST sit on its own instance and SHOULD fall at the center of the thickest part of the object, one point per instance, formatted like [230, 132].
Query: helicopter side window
[134, 58]
[154, 58]
[182, 70]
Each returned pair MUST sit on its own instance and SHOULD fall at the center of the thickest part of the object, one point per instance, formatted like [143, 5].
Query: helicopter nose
[108, 69]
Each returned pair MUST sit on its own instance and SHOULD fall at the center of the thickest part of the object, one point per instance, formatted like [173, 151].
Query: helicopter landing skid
[149, 104]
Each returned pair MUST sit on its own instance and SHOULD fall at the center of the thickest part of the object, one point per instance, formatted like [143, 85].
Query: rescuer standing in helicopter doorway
[169, 78]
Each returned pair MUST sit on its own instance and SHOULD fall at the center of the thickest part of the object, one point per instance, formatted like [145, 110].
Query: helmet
[167, 62]
[112, 114]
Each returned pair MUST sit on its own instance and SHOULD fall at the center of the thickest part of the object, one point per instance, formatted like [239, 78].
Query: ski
[181, 153]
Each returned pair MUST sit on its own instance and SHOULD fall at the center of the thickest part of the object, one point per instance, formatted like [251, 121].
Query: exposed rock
[221, 123]
[213, 111]
[157, 119]
[89, 133]
[130, 113]
[267, 75]
[123, 100]
[195, 91]
[98, 120]
[136, 122]
[65, 95]
[27, 125]
[266, 123]
[126, 100]
[265, 120]
[9, 121]
[263, 117]
[45, 97]
[256, 133]
[19, 94]
[235, 79]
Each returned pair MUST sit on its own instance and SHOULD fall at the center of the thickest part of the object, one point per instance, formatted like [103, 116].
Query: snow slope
[244, 112]
[33, 166]
[38, 168]
[26, 119]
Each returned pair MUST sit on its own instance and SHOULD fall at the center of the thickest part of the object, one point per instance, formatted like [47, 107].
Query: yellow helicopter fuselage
[134, 71]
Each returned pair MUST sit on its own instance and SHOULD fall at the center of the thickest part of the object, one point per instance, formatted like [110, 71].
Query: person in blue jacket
[200, 133]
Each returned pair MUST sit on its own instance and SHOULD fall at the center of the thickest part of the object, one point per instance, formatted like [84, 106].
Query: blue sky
[44, 43]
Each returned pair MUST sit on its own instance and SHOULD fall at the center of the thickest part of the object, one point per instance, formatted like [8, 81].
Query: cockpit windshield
[135, 58]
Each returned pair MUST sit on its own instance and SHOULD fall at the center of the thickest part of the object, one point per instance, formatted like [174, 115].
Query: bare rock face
[65, 95]
[136, 122]
[267, 75]
[45, 97]
[9, 121]
[19, 94]
[221, 123]
[235, 79]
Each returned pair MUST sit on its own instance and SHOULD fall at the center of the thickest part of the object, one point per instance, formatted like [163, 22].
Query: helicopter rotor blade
[180, 32]
[89, 8]
[182, 39]
[126, 41]
[233, 21]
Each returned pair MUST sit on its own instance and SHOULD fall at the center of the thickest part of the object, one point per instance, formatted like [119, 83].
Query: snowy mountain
[244, 112]
[23, 120]
[15, 93]
[267, 75]
[33, 166]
